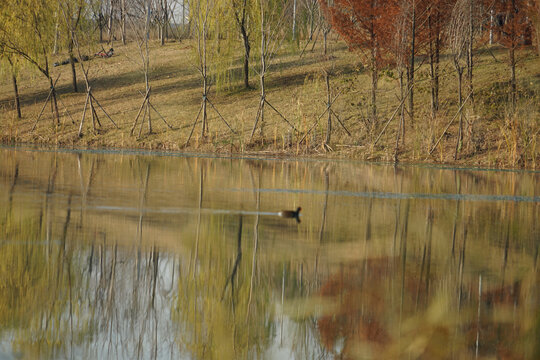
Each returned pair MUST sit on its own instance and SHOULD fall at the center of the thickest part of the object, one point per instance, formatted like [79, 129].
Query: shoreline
[256, 155]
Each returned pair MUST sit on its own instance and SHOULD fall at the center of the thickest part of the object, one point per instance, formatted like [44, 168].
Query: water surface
[129, 255]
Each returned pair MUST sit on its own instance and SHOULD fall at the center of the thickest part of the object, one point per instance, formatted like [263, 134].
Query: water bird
[291, 214]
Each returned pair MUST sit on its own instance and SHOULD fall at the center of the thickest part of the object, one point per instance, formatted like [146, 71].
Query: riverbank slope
[296, 92]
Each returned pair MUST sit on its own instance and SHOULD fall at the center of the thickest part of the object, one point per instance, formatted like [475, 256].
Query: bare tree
[458, 39]
[142, 32]
[13, 69]
[73, 29]
[242, 17]
[461, 31]
[123, 15]
[271, 20]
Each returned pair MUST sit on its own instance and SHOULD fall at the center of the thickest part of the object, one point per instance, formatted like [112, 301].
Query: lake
[126, 255]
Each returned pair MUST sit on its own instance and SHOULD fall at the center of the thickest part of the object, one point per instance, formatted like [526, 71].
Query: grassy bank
[493, 135]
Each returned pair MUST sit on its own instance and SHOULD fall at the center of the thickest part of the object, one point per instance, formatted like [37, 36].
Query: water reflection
[132, 256]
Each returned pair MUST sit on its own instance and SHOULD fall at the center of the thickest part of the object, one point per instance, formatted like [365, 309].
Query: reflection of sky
[153, 325]
[6, 351]
[288, 345]
[126, 329]
[115, 338]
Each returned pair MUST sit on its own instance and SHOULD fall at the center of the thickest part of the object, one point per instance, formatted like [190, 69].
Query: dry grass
[296, 88]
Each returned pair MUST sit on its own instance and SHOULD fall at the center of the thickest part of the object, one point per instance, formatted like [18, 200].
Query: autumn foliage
[366, 26]
[394, 32]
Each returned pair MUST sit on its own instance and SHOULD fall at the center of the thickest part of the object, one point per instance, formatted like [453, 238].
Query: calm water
[127, 256]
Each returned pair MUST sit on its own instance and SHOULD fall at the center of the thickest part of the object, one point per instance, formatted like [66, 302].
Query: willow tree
[272, 15]
[205, 16]
[13, 66]
[75, 17]
[229, 23]
[141, 28]
[245, 21]
[27, 29]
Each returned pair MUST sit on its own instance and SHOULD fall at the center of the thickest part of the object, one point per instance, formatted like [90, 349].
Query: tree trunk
[431, 65]
[72, 63]
[491, 25]
[247, 50]
[56, 35]
[311, 24]
[470, 51]
[161, 24]
[513, 86]
[263, 96]
[263, 71]
[294, 21]
[436, 75]
[165, 22]
[15, 89]
[16, 93]
[100, 25]
[325, 36]
[54, 102]
[512, 58]
[204, 125]
[205, 83]
[460, 131]
[374, 83]
[434, 49]
[328, 104]
[400, 131]
[123, 20]
[110, 25]
[411, 66]
[183, 16]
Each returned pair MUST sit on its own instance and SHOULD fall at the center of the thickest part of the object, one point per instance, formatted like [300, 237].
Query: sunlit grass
[295, 86]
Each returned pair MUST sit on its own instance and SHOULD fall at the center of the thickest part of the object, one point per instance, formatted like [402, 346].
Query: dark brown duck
[291, 214]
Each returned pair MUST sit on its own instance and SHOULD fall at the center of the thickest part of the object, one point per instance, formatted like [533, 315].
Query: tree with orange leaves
[514, 27]
[366, 27]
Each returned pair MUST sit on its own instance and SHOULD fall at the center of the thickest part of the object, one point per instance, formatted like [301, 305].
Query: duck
[291, 214]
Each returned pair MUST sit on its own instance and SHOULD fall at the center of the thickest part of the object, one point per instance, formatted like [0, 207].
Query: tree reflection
[216, 323]
[134, 256]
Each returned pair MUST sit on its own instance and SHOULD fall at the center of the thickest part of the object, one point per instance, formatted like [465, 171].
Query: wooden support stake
[194, 123]
[43, 108]
[161, 116]
[450, 123]
[65, 107]
[84, 112]
[46, 102]
[139, 113]
[320, 116]
[340, 122]
[259, 111]
[142, 120]
[93, 115]
[216, 110]
[393, 114]
[157, 112]
[102, 109]
[283, 117]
